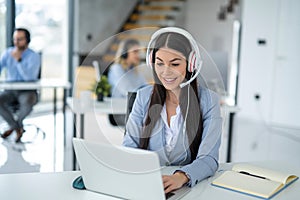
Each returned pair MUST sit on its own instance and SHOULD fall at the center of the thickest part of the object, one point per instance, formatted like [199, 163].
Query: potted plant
[101, 88]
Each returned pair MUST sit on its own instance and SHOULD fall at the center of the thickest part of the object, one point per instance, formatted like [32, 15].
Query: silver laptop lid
[119, 171]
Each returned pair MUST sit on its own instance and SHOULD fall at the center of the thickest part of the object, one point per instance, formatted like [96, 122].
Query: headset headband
[195, 61]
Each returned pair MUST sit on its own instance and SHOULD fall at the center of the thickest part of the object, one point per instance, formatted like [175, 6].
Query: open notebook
[255, 181]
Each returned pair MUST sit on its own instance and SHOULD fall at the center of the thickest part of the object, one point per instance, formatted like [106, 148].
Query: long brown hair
[194, 124]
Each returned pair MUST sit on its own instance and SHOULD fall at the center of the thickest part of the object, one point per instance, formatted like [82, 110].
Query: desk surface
[115, 106]
[49, 186]
[43, 83]
[108, 106]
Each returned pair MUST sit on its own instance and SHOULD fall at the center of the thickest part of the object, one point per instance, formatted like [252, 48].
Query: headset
[194, 61]
[27, 34]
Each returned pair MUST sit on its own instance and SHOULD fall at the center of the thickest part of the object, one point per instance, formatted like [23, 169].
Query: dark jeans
[15, 105]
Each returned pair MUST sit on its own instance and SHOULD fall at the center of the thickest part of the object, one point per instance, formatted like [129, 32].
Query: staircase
[147, 17]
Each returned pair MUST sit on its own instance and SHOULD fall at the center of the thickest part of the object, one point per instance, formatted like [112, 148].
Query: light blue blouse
[123, 81]
[26, 70]
[206, 162]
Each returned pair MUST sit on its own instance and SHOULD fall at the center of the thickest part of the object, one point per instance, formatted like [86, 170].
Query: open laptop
[122, 172]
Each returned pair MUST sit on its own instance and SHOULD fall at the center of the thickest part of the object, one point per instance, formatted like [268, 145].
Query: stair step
[161, 8]
[129, 26]
[151, 15]
[148, 1]
[165, 3]
[114, 47]
[136, 17]
[171, 13]
[134, 36]
[108, 58]
[160, 23]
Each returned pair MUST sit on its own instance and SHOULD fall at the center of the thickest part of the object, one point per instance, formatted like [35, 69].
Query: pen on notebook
[247, 173]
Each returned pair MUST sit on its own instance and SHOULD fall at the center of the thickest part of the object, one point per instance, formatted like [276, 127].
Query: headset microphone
[193, 77]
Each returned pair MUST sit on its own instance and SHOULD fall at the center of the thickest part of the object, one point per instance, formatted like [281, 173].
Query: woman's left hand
[175, 181]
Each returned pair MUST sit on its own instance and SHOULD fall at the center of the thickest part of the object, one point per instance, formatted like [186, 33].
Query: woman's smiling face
[170, 67]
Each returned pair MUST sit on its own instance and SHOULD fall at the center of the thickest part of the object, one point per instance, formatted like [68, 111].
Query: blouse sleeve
[206, 162]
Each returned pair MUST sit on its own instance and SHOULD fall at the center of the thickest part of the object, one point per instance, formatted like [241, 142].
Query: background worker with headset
[176, 117]
[124, 75]
[22, 64]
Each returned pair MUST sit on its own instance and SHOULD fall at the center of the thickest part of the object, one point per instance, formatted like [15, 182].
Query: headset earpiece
[124, 55]
[192, 61]
[150, 58]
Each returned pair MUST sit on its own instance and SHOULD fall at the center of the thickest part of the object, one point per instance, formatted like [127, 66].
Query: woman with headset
[177, 118]
[124, 76]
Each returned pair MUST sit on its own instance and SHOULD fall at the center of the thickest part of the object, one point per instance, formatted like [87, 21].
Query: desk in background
[78, 108]
[108, 106]
[119, 106]
[42, 84]
[49, 186]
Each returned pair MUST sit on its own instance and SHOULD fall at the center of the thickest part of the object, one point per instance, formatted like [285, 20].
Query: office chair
[130, 101]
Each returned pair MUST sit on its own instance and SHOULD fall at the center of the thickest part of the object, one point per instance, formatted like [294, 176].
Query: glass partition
[2, 25]
[47, 22]
[2, 31]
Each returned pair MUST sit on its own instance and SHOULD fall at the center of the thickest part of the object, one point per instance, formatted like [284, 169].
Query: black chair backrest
[40, 71]
[130, 100]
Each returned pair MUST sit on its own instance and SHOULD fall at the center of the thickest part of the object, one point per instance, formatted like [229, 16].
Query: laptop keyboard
[168, 195]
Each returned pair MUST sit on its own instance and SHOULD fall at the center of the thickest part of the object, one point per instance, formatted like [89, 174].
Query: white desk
[58, 186]
[41, 84]
[108, 106]
[111, 106]
[119, 106]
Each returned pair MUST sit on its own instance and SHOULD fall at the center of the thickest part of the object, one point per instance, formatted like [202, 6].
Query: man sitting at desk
[22, 64]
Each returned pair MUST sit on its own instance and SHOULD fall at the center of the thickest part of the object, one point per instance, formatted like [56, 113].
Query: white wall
[269, 127]
[215, 35]
[202, 21]
[270, 70]
[257, 61]
[285, 107]
[99, 18]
